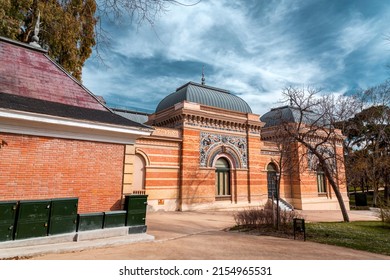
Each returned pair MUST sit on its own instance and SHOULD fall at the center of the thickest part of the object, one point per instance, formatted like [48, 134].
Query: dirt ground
[203, 236]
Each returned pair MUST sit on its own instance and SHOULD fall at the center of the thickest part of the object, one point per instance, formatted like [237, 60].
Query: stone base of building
[318, 204]
[155, 205]
[223, 205]
[299, 204]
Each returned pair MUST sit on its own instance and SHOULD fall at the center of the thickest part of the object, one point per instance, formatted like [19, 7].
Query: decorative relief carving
[170, 122]
[233, 145]
[206, 122]
[194, 120]
[210, 122]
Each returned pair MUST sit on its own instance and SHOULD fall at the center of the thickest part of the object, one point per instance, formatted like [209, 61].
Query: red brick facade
[43, 168]
[181, 171]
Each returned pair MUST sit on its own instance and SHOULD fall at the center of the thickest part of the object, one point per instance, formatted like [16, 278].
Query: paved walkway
[201, 235]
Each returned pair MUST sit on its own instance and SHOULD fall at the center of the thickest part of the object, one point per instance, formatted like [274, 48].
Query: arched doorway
[139, 173]
[222, 178]
[271, 180]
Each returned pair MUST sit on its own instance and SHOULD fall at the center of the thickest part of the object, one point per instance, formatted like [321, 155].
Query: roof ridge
[23, 45]
[203, 86]
[128, 111]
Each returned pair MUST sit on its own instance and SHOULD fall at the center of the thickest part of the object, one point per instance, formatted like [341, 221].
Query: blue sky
[252, 48]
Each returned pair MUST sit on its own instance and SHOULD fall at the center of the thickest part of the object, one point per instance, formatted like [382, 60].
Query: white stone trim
[21, 122]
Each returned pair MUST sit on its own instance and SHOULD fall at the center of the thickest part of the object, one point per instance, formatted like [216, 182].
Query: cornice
[20, 122]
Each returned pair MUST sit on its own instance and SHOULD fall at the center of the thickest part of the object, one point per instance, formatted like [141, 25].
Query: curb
[70, 242]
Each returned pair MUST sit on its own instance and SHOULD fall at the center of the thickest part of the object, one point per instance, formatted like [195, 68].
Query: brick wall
[162, 177]
[257, 189]
[43, 168]
[195, 182]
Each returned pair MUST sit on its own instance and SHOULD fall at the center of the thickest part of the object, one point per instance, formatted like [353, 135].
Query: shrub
[262, 218]
[384, 212]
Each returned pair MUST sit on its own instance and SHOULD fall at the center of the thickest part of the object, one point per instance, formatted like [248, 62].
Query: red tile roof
[29, 72]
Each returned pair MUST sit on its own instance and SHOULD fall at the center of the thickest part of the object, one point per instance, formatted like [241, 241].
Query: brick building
[202, 148]
[209, 150]
[60, 140]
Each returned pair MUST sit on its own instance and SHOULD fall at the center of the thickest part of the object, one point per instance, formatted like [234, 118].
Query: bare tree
[314, 129]
[136, 10]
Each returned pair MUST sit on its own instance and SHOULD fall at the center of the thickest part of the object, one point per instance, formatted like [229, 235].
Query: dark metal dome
[205, 95]
[289, 114]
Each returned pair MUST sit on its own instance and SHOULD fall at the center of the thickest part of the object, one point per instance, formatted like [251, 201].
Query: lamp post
[277, 177]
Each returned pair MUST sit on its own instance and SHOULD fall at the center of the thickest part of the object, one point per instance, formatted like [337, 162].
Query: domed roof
[204, 95]
[288, 114]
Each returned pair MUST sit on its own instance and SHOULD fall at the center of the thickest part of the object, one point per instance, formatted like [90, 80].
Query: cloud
[252, 48]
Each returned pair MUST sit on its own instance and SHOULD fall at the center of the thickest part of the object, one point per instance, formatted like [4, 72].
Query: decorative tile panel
[210, 142]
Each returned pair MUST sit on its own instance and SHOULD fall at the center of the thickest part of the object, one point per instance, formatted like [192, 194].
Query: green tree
[368, 142]
[67, 28]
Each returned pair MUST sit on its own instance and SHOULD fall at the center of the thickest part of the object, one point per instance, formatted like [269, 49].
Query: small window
[321, 181]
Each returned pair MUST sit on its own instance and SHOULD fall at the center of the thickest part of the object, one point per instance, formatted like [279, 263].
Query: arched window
[139, 173]
[321, 181]
[271, 180]
[222, 178]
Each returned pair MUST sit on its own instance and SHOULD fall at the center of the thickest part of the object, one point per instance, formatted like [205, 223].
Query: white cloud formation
[253, 53]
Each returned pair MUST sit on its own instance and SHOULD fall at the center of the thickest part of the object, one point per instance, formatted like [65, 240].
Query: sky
[253, 48]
